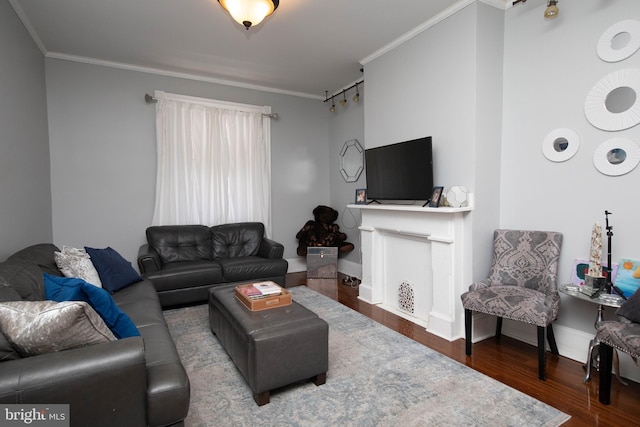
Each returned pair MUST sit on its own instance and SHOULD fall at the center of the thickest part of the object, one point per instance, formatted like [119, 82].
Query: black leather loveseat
[134, 381]
[184, 261]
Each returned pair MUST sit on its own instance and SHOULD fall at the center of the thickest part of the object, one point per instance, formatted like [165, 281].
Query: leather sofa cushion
[252, 267]
[237, 240]
[167, 381]
[41, 255]
[175, 243]
[25, 278]
[186, 274]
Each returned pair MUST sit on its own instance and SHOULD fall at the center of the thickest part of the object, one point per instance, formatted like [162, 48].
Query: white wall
[103, 160]
[25, 191]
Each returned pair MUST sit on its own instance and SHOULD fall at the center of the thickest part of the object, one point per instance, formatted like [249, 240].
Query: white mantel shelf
[415, 263]
[411, 208]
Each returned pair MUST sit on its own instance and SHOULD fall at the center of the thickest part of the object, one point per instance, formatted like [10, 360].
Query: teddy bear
[322, 232]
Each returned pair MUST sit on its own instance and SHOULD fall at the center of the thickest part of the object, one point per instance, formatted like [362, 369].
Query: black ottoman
[271, 348]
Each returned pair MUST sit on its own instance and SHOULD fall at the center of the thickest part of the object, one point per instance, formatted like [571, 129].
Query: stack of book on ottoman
[262, 295]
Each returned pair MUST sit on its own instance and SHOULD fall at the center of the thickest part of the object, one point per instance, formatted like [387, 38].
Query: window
[214, 162]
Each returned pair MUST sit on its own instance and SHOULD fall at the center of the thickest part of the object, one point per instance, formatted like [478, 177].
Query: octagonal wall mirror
[351, 160]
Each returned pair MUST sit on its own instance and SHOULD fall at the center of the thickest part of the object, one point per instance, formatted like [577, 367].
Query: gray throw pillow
[39, 327]
[630, 309]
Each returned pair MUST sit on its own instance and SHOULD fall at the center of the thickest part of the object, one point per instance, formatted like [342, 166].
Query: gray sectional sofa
[134, 381]
[185, 261]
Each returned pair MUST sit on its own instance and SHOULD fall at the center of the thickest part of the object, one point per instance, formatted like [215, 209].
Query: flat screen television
[402, 171]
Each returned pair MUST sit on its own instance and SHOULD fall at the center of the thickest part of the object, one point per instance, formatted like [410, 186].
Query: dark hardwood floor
[511, 362]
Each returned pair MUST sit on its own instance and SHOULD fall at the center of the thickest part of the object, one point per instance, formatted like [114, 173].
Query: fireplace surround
[416, 262]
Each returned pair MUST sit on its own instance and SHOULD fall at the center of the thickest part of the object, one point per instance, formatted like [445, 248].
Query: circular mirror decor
[560, 145]
[614, 102]
[616, 156]
[619, 41]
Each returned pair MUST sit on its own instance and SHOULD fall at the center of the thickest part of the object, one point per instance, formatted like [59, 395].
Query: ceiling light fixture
[249, 12]
[552, 9]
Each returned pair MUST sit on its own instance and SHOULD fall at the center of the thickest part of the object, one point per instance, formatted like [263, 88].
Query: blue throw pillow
[61, 289]
[115, 272]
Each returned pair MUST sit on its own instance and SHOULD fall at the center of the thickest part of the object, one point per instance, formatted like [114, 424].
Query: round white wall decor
[616, 156]
[560, 145]
[619, 41]
[614, 102]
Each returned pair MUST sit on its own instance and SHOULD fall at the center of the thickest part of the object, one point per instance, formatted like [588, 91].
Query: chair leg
[468, 315]
[498, 328]
[542, 354]
[606, 361]
[552, 340]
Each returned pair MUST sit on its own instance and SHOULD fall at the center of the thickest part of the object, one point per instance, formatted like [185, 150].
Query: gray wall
[345, 124]
[447, 82]
[103, 154]
[25, 189]
[550, 66]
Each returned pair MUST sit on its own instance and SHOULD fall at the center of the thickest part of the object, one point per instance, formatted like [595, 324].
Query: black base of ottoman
[271, 348]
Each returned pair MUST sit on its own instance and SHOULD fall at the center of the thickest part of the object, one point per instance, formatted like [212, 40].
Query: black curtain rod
[344, 90]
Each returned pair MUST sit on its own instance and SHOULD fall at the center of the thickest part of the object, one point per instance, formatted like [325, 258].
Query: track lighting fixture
[356, 97]
[552, 9]
[551, 12]
[343, 101]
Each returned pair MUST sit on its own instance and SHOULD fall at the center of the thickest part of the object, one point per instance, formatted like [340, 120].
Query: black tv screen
[402, 171]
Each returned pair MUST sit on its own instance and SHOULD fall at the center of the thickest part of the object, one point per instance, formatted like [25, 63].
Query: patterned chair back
[526, 258]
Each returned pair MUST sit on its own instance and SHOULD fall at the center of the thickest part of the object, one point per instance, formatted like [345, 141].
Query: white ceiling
[305, 47]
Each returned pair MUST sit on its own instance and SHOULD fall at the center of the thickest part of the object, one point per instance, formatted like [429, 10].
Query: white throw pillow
[39, 327]
[74, 262]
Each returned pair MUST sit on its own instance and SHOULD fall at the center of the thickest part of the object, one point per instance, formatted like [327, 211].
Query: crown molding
[500, 4]
[27, 24]
[181, 75]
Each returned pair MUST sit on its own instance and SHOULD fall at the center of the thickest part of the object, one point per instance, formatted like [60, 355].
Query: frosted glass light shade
[249, 12]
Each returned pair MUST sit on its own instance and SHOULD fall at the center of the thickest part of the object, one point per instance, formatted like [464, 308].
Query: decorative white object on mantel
[457, 197]
[427, 247]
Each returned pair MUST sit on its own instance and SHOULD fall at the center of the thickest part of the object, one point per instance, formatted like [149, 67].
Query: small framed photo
[436, 195]
[361, 196]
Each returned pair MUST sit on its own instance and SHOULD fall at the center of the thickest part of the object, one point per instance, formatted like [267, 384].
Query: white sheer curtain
[214, 162]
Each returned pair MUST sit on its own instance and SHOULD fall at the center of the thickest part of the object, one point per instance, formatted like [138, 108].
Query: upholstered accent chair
[622, 335]
[521, 286]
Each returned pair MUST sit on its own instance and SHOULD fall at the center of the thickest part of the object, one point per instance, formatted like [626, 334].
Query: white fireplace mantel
[416, 261]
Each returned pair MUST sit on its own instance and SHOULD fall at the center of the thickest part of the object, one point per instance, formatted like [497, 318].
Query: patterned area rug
[377, 377]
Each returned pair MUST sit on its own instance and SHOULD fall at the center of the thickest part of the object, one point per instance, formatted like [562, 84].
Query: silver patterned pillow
[74, 262]
[39, 327]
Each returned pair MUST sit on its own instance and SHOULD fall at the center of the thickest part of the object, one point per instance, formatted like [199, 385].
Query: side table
[604, 300]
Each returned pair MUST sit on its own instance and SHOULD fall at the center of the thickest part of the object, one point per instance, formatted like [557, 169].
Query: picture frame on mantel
[361, 196]
[436, 195]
